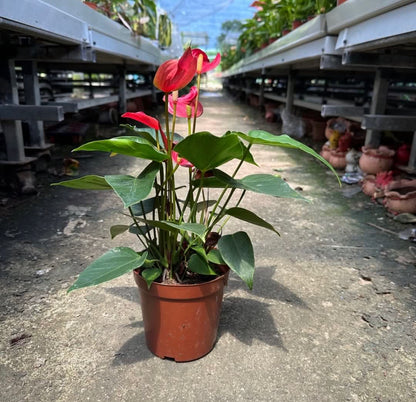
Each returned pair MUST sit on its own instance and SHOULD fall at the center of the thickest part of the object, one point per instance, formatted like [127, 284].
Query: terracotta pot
[368, 185]
[375, 160]
[339, 2]
[337, 159]
[325, 152]
[91, 5]
[400, 196]
[296, 24]
[318, 130]
[181, 321]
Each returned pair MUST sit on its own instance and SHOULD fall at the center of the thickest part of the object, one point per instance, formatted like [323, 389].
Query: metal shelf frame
[62, 35]
[373, 39]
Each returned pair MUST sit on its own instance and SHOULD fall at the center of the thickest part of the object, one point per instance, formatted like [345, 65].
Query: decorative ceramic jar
[400, 196]
[375, 160]
[337, 159]
[325, 151]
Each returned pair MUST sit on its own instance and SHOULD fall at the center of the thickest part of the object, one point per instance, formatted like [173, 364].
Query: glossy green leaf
[126, 145]
[250, 217]
[150, 275]
[195, 228]
[90, 182]
[214, 256]
[147, 133]
[284, 141]
[269, 184]
[139, 231]
[207, 151]
[199, 265]
[237, 252]
[130, 189]
[258, 183]
[110, 265]
[118, 229]
[146, 206]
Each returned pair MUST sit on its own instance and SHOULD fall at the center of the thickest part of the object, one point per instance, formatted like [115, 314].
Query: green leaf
[258, 183]
[202, 205]
[150, 275]
[131, 190]
[141, 230]
[207, 151]
[126, 145]
[147, 133]
[214, 256]
[237, 252]
[195, 228]
[110, 265]
[283, 141]
[90, 182]
[145, 206]
[199, 265]
[269, 184]
[250, 217]
[118, 229]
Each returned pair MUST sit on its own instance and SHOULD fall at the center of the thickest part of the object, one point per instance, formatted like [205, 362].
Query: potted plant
[183, 246]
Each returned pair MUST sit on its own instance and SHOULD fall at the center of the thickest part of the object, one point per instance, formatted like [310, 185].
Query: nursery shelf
[62, 36]
[360, 57]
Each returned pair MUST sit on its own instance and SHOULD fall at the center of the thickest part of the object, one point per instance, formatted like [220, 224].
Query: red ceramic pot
[181, 321]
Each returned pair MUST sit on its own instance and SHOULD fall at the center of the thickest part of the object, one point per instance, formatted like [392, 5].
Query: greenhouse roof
[196, 18]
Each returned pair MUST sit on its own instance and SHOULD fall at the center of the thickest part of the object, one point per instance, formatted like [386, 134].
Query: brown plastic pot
[181, 321]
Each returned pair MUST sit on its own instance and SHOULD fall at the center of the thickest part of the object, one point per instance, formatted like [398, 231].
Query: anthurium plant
[180, 229]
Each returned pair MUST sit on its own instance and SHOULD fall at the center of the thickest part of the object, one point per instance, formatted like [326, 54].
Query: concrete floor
[331, 316]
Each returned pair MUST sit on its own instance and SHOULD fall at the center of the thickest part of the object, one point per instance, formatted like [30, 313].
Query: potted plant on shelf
[184, 253]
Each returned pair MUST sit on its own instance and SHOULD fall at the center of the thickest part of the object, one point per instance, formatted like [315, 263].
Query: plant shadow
[266, 287]
[249, 320]
[134, 350]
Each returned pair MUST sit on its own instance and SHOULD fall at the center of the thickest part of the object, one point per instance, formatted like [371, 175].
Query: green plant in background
[140, 17]
[267, 24]
[323, 6]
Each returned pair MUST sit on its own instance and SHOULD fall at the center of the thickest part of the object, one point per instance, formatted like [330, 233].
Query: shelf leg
[32, 97]
[378, 106]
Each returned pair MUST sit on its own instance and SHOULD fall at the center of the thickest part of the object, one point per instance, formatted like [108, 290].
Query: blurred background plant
[141, 17]
[272, 19]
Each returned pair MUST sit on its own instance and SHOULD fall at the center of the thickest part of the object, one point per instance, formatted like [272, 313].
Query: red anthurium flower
[181, 161]
[187, 100]
[148, 121]
[143, 118]
[206, 64]
[173, 75]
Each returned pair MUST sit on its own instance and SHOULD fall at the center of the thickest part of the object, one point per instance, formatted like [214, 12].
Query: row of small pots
[399, 194]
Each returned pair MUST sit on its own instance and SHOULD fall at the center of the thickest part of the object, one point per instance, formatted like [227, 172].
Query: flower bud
[188, 111]
[199, 64]
[175, 95]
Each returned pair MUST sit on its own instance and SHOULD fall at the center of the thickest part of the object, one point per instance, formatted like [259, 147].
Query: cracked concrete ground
[331, 316]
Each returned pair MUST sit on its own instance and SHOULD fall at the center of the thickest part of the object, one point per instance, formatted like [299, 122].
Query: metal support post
[32, 97]
[12, 128]
[122, 103]
[378, 105]
[261, 97]
[290, 94]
